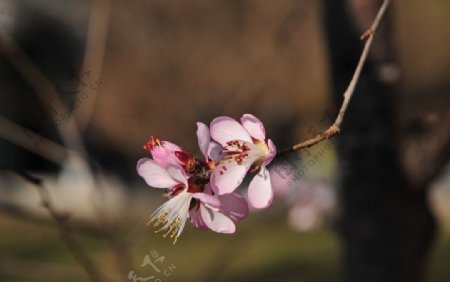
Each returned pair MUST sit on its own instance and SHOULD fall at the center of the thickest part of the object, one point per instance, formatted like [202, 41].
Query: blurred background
[85, 83]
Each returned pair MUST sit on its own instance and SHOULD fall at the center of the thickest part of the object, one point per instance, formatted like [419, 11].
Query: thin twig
[64, 230]
[44, 89]
[335, 128]
[99, 20]
[110, 232]
[32, 141]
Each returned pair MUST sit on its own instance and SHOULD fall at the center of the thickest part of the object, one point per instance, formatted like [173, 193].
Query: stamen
[170, 218]
[236, 151]
[152, 143]
[170, 230]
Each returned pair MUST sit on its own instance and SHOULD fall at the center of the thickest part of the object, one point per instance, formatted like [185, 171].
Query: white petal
[207, 199]
[234, 206]
[226, 181]
[196, 219]
[225, 129]
[216, 221]
[176, 171]
[215, 151]
[254, 126]
[260, 192]
[170, 218]
[154, 174]
[170, 146]
[203, 138]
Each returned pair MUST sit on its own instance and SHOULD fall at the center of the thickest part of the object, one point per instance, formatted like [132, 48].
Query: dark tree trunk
[386, 226]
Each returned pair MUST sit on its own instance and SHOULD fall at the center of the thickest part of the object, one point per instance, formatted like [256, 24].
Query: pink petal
[170, 146]
[196, 219]
[217, 221]
[207, 199]
[208, 190]
[224, 129]
[154, 174]
[203, 138]
[226, 181]
[254, 126]
[211, 185]
[234, 206]
[260, 192]
[161, 155]
[215, 151]
[272, 152]
[176, 171]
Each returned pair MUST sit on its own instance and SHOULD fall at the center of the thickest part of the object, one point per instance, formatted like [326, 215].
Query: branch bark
[386, 227]
[335, 128]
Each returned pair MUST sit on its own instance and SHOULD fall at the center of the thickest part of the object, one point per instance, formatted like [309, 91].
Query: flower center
[237, 151]
[245, 153]
[262, 146]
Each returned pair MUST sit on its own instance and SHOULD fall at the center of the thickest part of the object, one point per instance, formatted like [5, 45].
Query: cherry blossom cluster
[204, 189]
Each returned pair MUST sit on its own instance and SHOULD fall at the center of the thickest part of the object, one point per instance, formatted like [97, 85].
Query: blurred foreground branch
[65, 232]
[43, 87]
[99, 20]
[31, 141]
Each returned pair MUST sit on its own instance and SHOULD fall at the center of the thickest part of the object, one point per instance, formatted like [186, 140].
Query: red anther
[152, 143]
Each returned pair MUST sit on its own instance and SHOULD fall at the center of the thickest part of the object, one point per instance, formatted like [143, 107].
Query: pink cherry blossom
[186, 179]
[245, 149]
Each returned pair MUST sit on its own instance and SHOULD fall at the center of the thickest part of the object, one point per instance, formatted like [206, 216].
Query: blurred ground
[306, 257]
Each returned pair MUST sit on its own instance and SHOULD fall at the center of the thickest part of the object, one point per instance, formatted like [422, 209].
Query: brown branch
[335, 128]
[44, 89]
[20, 212]
[64, 229]
[99, 20]
[32, 141]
